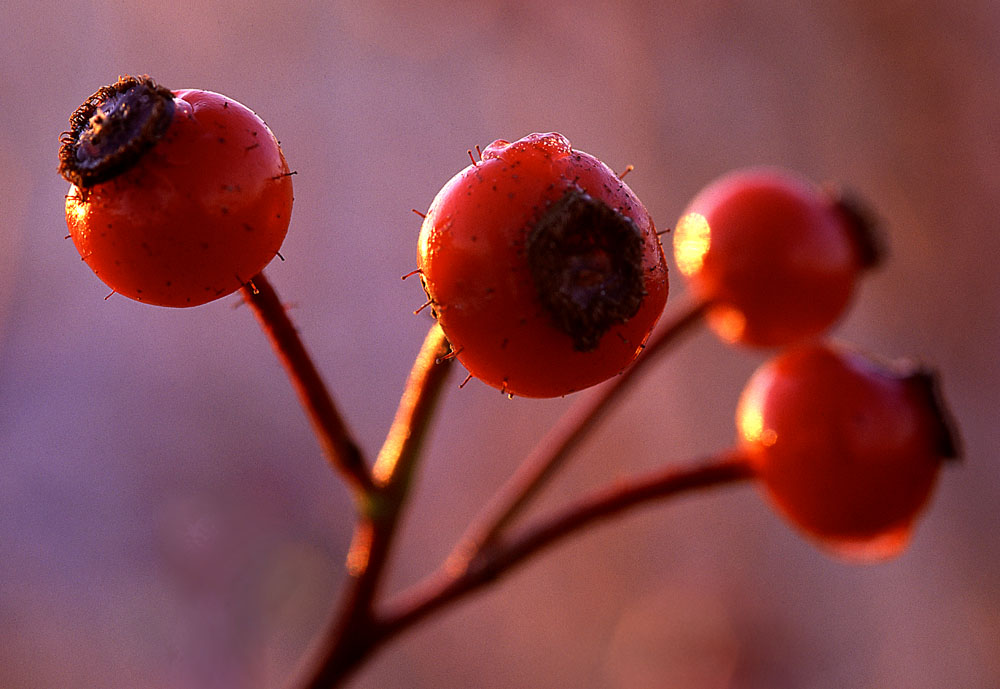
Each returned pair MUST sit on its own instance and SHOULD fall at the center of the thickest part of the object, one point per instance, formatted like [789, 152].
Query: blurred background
[166, 519]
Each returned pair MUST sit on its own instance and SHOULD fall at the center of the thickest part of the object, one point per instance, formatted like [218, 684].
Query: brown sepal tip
[113, 128]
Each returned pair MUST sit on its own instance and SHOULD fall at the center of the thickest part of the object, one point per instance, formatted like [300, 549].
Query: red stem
[549, 455]
[339, 447]
[361, 637]
[456, 579]
[356, 632]
[359, 630]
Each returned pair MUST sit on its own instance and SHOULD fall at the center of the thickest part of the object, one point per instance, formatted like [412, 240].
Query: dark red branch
[356, 632]
[566, 435]
[327, 423]
[459, 578]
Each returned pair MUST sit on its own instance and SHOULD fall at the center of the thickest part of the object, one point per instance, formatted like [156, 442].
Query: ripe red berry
[176, 198]
[542, 267]
[776, 255]
[847, 449]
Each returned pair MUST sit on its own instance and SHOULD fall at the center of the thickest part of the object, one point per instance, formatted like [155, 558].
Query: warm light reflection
[75, 206]
[750, 423]
[360, 550]
[729, 323]
[692, 238]
[879, 548]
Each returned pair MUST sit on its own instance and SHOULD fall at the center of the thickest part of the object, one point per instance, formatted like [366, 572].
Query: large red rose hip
[847, 449]
[776, 255]
[177, 198]
[542, 267]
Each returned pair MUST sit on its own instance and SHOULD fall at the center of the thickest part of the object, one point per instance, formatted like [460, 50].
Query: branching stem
[458, 578]
[487, 551]
[356, 631]
[550, 454]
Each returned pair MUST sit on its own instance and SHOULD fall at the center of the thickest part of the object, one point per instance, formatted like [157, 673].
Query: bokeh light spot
[692, 240]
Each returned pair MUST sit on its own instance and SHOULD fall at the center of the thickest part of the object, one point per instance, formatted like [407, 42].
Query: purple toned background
[166, 520]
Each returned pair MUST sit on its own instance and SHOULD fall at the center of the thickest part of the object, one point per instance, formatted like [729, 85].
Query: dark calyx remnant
[113, 128]
[947, 439]
[862, 225]
[586, 261]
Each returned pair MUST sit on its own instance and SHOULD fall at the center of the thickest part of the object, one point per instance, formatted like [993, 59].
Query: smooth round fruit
[542, 267]
[776, 255]
[847, 449]
[177, 198]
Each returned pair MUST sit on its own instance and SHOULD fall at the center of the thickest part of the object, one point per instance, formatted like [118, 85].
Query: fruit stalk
[549, 455]
[338, 445]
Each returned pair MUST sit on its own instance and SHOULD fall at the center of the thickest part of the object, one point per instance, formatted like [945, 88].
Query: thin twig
[396, 461]
[355, 630]
[564, 437]
[330, 429]
[340, 448]
[456, 579]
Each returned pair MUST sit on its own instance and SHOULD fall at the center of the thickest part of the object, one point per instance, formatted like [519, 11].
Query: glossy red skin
[781, 262]
[200, 214]
[847, 450]
[472, 262]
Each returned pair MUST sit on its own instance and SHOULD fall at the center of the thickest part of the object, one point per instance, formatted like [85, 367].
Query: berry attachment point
[113, 128]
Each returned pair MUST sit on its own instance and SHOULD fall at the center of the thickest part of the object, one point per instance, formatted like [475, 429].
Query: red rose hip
[542, 267]
[177, 198]
[846, 448]
[777, 256]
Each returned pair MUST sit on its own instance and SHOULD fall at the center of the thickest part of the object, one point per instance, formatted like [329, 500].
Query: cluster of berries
[547, 275]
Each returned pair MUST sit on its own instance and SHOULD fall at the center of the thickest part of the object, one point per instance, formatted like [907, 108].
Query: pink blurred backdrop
[166, 520]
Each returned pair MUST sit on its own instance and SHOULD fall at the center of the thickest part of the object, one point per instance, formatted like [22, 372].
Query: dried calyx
[925, 381]
[861, 223]
[586, 262]
[113, 128]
